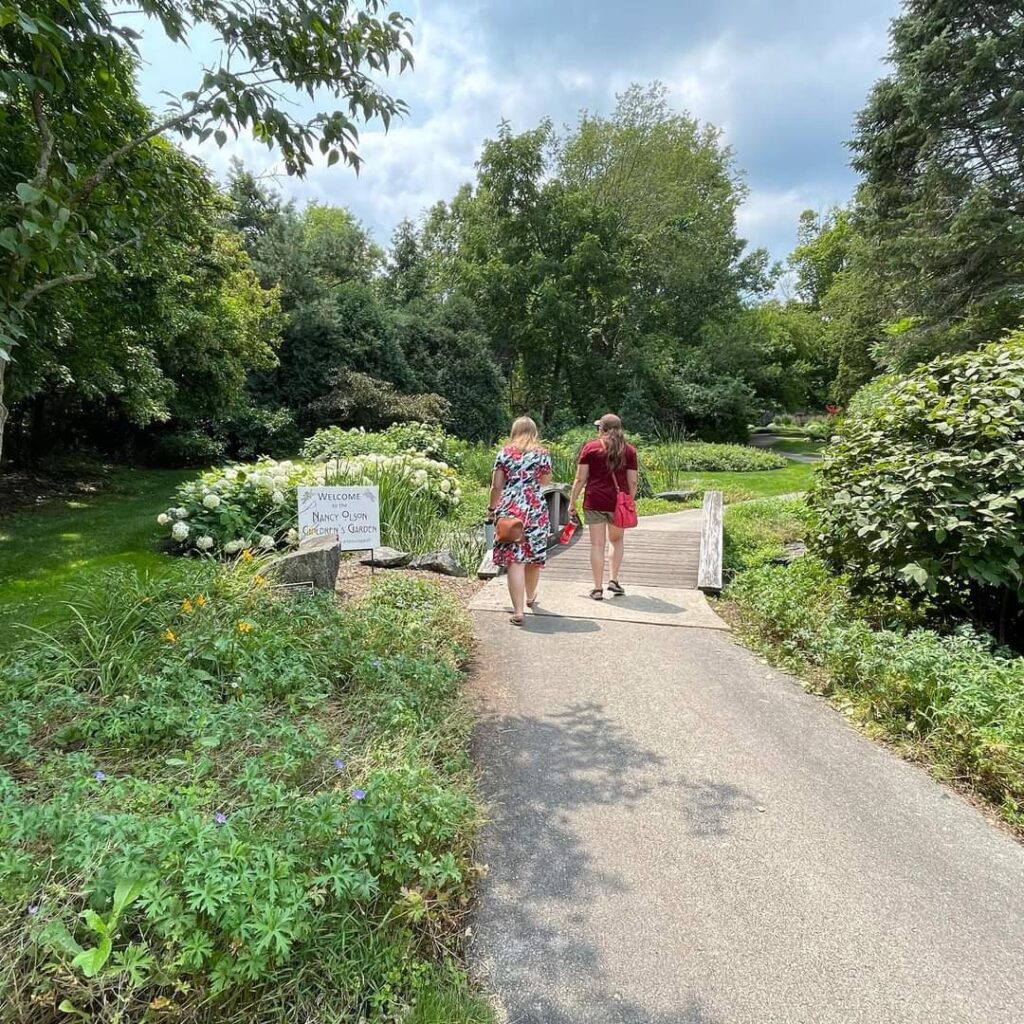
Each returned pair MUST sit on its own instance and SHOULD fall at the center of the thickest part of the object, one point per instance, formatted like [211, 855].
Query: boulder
[316, 563]
[441, 562]
[386, 558]
[790, 553]
[677, 495]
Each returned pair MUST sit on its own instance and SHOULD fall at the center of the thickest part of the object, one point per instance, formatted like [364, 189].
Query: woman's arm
[632, 478]
[497, 486]
[582, 475]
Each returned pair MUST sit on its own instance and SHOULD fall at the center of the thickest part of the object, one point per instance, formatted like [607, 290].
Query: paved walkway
[680, 834]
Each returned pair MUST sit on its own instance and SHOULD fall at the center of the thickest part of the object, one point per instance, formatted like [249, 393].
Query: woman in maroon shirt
[607, 465]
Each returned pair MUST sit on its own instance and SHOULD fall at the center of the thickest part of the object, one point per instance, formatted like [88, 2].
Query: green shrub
[923, 494]
[235, 508]
[401, 479]
[399, 439]
[666, 464]
[188, 448]
[215, 798]
[952, 698]
[261, 431]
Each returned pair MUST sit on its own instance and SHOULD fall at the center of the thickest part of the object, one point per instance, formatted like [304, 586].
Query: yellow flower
[169, 635]
[244, 627]
[260, 581]
[187, 607]
[201, 601]
[246, 556]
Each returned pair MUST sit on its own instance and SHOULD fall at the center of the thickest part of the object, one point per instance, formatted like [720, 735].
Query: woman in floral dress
[520, 470]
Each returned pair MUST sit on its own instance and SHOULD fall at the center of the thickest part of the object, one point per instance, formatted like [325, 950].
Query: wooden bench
[709, 571]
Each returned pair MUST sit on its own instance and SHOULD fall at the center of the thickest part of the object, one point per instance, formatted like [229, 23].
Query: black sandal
[613, 586]
[596, 595]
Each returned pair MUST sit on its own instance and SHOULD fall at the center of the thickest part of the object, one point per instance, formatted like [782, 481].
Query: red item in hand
[568, 531]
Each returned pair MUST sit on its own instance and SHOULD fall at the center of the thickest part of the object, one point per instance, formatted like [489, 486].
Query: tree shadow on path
[533, 940]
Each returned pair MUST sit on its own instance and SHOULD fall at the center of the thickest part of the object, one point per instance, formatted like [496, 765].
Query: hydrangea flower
[179, 531]
[205, 542]
[277, 498]
[293, 536]
[212, 500]
[163, 519]
[181, 513]
[232, 547]
[267, 542]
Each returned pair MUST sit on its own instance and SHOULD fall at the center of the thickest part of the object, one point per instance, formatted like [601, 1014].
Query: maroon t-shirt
[600, 493]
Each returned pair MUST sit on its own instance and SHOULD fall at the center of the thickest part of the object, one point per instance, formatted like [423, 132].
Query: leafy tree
[822, 253]
[77, 193]
[449, 353]
[941, 147]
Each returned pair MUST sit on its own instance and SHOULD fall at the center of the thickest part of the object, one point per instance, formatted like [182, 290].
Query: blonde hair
[614, 440]
[524, 434]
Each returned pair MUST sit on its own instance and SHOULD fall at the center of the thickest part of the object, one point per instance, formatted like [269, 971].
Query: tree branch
[106, 165]
[46, 139]
[85, 275]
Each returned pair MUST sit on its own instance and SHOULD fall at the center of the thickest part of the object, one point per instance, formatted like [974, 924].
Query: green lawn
[764, 484]
[44, 551]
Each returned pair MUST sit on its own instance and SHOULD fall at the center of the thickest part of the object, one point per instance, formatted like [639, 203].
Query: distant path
[680, 834]
[769, 440]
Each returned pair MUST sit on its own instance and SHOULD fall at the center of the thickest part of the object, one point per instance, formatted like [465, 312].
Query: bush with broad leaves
[922, 493]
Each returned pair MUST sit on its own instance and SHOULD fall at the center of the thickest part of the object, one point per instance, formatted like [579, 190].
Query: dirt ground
[354, 580]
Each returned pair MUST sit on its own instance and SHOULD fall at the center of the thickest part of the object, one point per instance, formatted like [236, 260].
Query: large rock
[792, 551]
[386, 558]
[441, 562]
[677, 495]
[316, 563]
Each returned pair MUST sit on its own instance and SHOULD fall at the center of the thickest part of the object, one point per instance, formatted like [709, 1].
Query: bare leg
[598, 539]
[517, 588]
[532, 581]
[617, 536]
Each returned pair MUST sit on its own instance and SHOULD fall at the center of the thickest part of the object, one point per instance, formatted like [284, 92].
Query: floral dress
[522, 499]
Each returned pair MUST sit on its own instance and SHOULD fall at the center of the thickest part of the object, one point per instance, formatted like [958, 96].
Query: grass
[45, 551]
[771, 483]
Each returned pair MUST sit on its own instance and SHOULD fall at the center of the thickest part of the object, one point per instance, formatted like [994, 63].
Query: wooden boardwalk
[656, 556]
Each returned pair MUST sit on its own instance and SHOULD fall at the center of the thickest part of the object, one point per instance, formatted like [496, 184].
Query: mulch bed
[354, 581]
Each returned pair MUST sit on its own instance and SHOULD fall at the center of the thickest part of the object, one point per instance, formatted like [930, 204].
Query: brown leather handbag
[509, 530]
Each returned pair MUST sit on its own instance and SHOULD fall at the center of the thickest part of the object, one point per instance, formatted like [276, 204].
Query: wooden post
[709, 571]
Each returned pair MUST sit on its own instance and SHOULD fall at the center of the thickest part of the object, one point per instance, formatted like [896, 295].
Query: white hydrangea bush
[436, 480]
[238, 508]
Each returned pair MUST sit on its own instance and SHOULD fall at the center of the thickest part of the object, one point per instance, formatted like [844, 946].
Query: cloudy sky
[782, 78]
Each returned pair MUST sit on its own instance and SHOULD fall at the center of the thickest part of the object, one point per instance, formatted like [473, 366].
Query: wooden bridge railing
[709, 572]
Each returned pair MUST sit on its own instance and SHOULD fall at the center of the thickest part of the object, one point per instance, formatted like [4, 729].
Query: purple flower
[99, 776]
[221, 818]
[339, 765]
[358, 794]
[33, 909]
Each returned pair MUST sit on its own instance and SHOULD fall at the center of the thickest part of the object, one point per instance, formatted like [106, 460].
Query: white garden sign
[350, 513]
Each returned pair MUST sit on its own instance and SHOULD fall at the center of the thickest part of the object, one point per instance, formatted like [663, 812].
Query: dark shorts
[594, 517]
